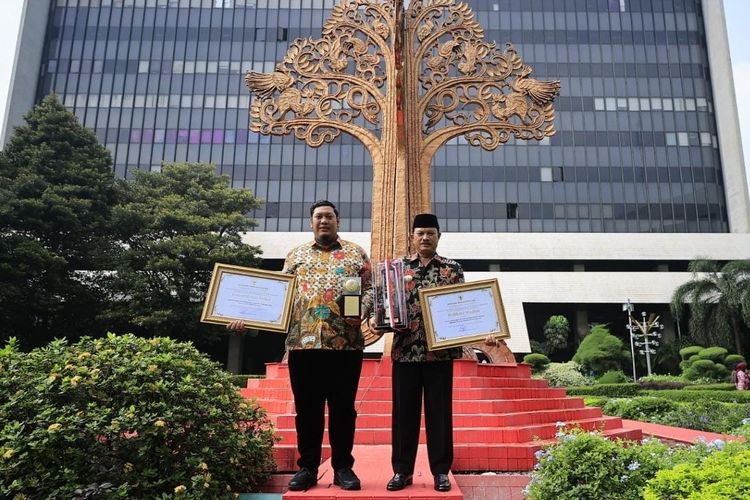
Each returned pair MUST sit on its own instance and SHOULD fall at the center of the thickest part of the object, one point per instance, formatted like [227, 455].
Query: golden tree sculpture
[403, 83]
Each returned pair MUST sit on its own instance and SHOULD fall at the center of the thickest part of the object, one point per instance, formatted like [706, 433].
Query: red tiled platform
[372, 465]
[501, 415]
[677, 434]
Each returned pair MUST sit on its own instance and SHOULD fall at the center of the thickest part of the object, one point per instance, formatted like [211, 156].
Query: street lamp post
[647, 339]
[628, 308]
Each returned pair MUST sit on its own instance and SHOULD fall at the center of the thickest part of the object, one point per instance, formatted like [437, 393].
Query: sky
[738, 28]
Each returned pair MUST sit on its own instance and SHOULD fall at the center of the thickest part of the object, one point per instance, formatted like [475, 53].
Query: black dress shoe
[303, 479]
[399, 481]
[442, 483]
[347, 479]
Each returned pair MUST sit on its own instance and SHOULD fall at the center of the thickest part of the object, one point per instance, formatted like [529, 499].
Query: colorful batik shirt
[411, 345]
[316, 313]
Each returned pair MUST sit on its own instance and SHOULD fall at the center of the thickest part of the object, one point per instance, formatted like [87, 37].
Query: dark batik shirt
[317, 321]
[411, 345]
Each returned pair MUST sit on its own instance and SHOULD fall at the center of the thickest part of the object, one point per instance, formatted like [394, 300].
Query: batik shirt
[317, 321]
[411, 345]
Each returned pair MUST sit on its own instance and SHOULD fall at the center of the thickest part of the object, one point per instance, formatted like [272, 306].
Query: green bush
[724, 474]
[712, 387]
[600, 351]
[706, 368]
[587, 466]
[732, 360]
[662, 382]
[126, 417]
[715, 354]
[609, 390]
[703, 395]
[537, 361]
[613, 377]
[241, 380]
[642, 408]
[689, 351]
[711, 416]
[564, 375]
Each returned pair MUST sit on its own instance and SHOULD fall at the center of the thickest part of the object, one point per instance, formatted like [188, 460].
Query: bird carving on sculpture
[541, 92]
[469, 53]
[265, 84]
[444, 52]
[291, 99]
[524, 88]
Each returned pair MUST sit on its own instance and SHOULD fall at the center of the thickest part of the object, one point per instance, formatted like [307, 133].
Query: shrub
[715, 354]
[712, 416]
[689, 351]
[705, 368]
[732, 360]
[564, 375]
[609, 390]
[724, 474]
[661, 382]
[712, 387]
[556, 333]
[703, 395]
[537, 361]
[613, 377]
[600, 351]
[126, 417]
[641, 408]
[589, 466]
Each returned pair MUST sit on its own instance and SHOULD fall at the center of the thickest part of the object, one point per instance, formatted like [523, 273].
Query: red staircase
[501, 416]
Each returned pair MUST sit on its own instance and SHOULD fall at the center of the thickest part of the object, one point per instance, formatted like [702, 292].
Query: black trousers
[434, 379]
[319, 376]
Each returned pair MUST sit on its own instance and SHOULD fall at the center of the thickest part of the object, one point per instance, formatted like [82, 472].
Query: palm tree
[718, 299]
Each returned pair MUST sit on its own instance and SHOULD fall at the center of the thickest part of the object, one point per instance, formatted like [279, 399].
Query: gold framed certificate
[456, 315]
[262, 299]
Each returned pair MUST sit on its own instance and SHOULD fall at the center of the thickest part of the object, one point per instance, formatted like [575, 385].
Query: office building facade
[644, 174]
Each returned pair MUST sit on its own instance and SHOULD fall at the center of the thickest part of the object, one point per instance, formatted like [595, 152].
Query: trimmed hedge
[608, 390]
[701, 395]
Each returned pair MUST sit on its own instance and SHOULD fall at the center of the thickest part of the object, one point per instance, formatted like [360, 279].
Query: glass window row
[499, 5]
[638, 138]
[606, 175]
[586, 5]
[586, 103]
[652, 103]
[214, 101]
[202, 4]
[547, 211]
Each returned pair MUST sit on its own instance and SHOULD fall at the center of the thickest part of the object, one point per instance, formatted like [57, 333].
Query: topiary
[564, 375]
[600, 351]
[705, 368]
[613, 377]
[536, 360]
[715, 354]
[123, 417]
[686, 352]
[731, 360]
[723, 474]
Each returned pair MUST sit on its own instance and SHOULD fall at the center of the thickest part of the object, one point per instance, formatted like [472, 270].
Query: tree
[600, 351]
[57, 189]
[176, 224]
[556, 333]
[718, 298]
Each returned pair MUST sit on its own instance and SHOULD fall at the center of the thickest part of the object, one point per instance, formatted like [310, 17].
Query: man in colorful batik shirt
[325, 349]
[417, 371]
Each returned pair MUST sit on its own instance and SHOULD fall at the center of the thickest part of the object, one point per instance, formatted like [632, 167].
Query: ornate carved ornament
[468, 87]
[337, 83]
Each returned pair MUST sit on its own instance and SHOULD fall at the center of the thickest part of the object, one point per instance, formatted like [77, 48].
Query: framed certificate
[262, 299]
[456, 315]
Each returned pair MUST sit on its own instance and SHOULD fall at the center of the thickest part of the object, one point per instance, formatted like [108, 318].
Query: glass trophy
[389, 295]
